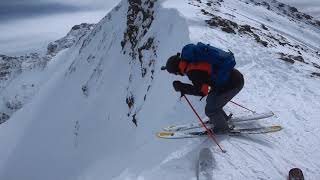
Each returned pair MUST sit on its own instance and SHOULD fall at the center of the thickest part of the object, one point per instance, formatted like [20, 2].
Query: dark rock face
[13, 65]
[141, 47]
[130, 101]
[14, 105]
[3, 117]
[316, 65]
[225, 24]
[315, 74]
[9, 65]
[140, 16]
[232, 27]
[291, 58]
[264, 27]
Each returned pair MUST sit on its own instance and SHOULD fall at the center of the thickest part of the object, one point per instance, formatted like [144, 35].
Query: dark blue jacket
[221, 62]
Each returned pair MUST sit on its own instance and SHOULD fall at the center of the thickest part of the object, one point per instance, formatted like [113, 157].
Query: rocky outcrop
[70, 39]
[140, 16]
[3, 117]
[291, 58]
[136, 42]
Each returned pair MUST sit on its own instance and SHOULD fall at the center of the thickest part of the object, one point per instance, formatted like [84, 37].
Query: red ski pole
[242, 106]
[210, 133]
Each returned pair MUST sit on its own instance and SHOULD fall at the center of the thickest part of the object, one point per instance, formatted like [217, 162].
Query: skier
[212, 73]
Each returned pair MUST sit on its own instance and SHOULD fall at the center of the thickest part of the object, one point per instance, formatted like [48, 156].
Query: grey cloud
[76, 3]
[9, 12]
[15, 9]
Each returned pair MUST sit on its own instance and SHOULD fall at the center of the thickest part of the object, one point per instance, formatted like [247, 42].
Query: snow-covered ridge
[105, 97]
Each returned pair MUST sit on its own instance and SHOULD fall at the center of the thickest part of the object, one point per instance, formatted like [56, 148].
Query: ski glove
[179, 87]
[187, 89]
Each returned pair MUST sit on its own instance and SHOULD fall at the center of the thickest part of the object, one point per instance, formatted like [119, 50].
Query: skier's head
[172, 65]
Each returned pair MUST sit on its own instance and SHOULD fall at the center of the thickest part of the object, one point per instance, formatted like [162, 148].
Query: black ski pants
[216, 100]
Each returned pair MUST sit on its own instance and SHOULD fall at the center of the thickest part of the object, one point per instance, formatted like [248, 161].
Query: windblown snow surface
[81, 123]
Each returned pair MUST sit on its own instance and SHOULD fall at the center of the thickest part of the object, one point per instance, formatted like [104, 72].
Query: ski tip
[270, 113]
[277, 128]
[164, 134]
[169, 128]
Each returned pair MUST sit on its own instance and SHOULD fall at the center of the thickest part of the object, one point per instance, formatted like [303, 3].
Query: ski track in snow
[66, 133]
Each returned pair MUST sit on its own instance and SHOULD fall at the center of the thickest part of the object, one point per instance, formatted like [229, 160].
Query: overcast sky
[75, 3]
[17, 9]
[12, 9]
[29, 25]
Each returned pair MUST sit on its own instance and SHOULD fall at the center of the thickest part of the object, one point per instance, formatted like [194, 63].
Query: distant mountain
[14, 68]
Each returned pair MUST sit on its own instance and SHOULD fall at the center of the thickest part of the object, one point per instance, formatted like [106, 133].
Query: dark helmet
[172, 65]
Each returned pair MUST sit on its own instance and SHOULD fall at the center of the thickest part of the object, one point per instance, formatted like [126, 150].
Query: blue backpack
[221, 62]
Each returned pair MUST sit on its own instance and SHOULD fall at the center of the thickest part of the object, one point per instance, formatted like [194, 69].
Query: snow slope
[105, 97]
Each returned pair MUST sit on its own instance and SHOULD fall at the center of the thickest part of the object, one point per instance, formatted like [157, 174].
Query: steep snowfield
[82, 123]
